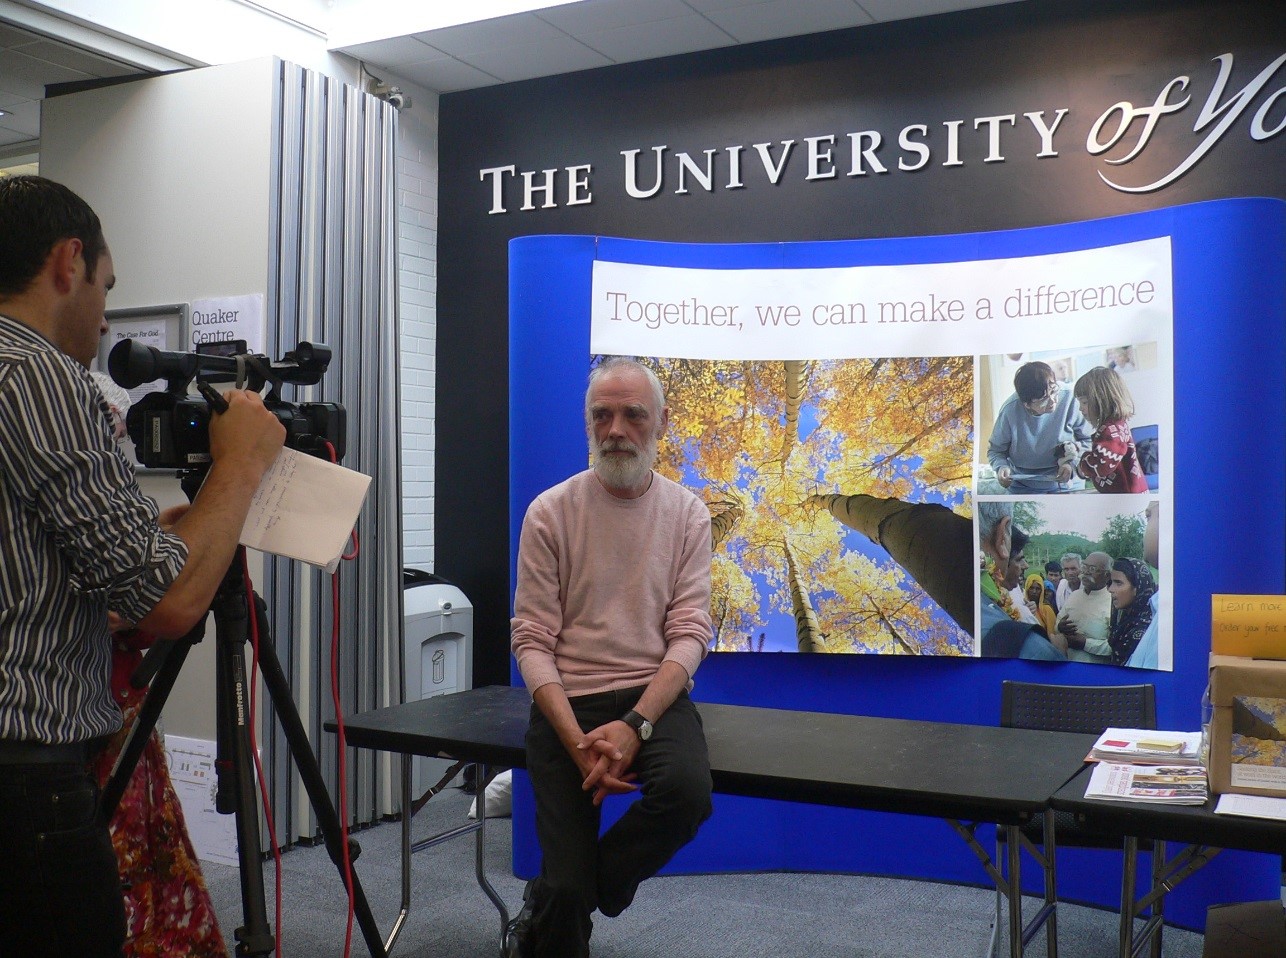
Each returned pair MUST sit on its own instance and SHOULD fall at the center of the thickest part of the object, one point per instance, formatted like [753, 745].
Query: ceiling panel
[906, 9]
[28, 76]
[473, 38]
[786, 18]
[85, 63]
[447, 74]
[662, 38]
[584, 18]
[28, 63]
[395, 51]
[538, 58]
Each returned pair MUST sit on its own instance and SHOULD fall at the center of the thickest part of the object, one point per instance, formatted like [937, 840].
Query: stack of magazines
[1139, 765]
[1145, 746]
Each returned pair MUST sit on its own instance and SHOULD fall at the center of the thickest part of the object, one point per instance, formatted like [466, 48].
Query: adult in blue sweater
[1039, 435]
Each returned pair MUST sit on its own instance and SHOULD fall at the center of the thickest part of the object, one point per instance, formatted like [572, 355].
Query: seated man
[611, 620]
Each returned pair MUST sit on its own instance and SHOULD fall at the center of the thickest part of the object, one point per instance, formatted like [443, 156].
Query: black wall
[1014, 59]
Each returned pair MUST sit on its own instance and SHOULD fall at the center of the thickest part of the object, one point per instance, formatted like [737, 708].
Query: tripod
[234, 763]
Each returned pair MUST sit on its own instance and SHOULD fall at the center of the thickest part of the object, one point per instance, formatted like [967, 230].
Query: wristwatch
[640, 725]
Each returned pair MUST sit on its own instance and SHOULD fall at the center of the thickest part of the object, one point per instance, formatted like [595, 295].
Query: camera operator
[77, 537]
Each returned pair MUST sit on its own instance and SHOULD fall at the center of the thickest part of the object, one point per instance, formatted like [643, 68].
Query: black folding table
[1201, 832]
[966, 774]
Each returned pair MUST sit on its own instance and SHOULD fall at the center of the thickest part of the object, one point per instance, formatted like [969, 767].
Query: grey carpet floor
[772, 915]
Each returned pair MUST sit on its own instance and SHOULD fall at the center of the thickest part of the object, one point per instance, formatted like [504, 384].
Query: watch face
[645, 730]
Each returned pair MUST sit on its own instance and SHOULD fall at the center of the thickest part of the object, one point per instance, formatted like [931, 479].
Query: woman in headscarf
[1132, 588]
[1034, 593]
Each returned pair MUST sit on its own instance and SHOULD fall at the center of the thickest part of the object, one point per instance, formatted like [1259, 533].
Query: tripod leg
[236, 790]
[302, 751]
[145, 724]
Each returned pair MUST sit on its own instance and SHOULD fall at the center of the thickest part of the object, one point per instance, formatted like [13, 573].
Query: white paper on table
[1252, 806]
[305, 509]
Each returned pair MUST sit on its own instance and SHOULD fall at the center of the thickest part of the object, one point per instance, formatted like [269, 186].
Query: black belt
[42, 753]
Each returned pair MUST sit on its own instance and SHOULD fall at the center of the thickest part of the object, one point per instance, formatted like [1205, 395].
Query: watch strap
[633, 720]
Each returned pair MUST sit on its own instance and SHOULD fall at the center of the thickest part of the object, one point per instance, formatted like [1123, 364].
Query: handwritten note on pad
[305, 509]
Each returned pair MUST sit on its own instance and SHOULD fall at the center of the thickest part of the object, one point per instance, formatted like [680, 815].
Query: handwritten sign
[1248, 625]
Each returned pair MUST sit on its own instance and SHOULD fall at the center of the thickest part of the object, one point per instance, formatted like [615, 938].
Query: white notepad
[305, 509]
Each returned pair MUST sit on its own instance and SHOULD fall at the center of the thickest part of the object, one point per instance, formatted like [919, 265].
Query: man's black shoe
[517, 940]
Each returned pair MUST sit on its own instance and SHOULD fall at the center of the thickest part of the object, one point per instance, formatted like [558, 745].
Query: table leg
[1009, 886]
[480, 849]
[1158, 908]
[1129, 866]
[406, 855]
[1051, 886]
[1015, 890]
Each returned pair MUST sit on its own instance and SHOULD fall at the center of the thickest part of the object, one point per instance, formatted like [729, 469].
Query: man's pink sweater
[609, 588]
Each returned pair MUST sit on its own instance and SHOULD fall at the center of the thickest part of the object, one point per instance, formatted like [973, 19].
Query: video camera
[171, 429]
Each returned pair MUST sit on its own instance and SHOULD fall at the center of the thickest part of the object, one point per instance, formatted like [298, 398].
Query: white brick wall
[417, 218]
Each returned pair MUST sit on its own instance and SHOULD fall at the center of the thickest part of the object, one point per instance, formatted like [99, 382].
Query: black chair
[1089, 709]
[1077, 708]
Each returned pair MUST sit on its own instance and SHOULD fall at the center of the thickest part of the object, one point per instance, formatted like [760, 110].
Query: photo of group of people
[1086, 596]
[1063, 577]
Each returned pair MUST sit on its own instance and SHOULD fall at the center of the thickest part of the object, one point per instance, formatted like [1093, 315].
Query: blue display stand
[1229, 268]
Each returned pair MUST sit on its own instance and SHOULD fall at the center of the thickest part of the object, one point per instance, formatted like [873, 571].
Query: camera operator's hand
[244, 440]
[170, 517]
[246, 433]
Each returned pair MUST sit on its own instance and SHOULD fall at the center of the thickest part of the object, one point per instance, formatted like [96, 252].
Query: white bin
[438, 645]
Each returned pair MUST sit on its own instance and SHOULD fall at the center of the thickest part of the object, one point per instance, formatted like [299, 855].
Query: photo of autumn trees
[826, 481]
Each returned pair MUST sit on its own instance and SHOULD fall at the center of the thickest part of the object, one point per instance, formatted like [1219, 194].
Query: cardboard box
[1245, 930]
[1248, 727]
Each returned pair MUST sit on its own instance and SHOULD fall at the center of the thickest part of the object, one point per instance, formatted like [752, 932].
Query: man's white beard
[618, 472]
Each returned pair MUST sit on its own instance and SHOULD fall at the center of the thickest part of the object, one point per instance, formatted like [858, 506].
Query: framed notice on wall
[162, 327]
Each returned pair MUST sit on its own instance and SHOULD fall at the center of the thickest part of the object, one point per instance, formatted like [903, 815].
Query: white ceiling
[576, 36]
[598, 33]
[28, 63]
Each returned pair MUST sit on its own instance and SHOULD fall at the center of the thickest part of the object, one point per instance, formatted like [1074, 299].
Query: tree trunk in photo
[807, 631]
[933, 544]
[796, 373]
[723, 518]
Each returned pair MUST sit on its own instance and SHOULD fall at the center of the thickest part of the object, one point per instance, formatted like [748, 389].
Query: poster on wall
[952, 458]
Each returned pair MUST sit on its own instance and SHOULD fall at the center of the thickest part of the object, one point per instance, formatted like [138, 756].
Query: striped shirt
[77, 538]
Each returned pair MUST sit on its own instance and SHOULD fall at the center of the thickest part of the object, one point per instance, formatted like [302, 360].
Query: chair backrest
[1077, 708]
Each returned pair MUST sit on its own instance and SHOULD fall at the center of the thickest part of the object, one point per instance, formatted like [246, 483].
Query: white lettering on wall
[1226, 114]
[996, 137]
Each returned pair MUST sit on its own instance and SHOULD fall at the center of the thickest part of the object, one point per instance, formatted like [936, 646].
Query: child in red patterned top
[1112, 462]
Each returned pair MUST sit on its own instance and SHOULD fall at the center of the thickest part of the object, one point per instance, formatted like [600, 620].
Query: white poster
[848, 427]
[1056, 301]
[228, 319]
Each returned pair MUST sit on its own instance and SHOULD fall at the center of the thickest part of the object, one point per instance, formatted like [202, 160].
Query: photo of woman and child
[1048, 438]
